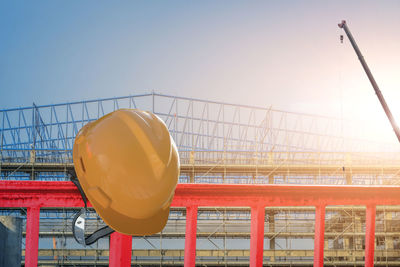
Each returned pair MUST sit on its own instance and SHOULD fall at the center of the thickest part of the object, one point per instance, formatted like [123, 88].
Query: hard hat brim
[131, 226]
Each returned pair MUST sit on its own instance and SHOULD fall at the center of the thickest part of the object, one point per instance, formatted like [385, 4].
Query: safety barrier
[37, 194]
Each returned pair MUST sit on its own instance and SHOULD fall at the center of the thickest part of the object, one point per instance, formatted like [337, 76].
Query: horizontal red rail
[37, 194]
[65, 194]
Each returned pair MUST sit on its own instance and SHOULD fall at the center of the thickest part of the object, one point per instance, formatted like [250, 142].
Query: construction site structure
[220, 144]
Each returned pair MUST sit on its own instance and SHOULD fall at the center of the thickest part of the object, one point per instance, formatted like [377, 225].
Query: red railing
[35, 195]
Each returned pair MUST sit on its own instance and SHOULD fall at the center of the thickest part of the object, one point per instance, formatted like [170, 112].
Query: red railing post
[257, 236]
[32, 237]
[120, 250]
[190, 237]
[319, 236]
[370, 235]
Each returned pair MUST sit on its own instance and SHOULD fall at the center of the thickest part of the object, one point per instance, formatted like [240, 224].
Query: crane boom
[378, 92]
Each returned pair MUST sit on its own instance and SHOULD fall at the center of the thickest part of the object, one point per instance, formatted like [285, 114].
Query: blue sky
[284, 54]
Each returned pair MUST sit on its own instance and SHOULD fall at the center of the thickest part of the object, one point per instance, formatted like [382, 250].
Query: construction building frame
[248, 173]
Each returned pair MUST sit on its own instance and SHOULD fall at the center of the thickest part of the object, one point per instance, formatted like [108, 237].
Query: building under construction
[218, 143]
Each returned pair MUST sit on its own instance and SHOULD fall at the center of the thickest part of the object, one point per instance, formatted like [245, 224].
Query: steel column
[32, 237]
[120, 250]
[190, 237]
[319, 236]
[257, 236]
[370, 235]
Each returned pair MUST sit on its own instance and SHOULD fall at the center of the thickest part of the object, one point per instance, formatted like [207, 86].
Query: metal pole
[257, 236]
[152, 106]
[2, 138]
[370, 236]
[396, 129]
[319, 236]
[190, 237]
[32, 237]
[120, 250]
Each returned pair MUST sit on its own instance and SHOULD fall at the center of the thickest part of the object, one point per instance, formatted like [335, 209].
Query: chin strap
[78, 223]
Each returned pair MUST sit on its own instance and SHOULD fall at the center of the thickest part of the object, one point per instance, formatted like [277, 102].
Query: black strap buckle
[79, 221]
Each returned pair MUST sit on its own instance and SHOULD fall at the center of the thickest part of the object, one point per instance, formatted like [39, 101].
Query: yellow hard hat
[128, 166]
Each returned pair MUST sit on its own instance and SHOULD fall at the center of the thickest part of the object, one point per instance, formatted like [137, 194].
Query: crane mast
[378, 92]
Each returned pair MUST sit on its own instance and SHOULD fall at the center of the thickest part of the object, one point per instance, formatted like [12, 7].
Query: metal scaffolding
[218, 143]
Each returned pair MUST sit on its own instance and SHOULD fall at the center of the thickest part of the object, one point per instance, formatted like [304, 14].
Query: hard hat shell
[128, 166]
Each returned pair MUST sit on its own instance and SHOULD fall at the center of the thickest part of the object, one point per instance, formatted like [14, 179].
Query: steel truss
[205, 131]
[220, 143]
[214, 137]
